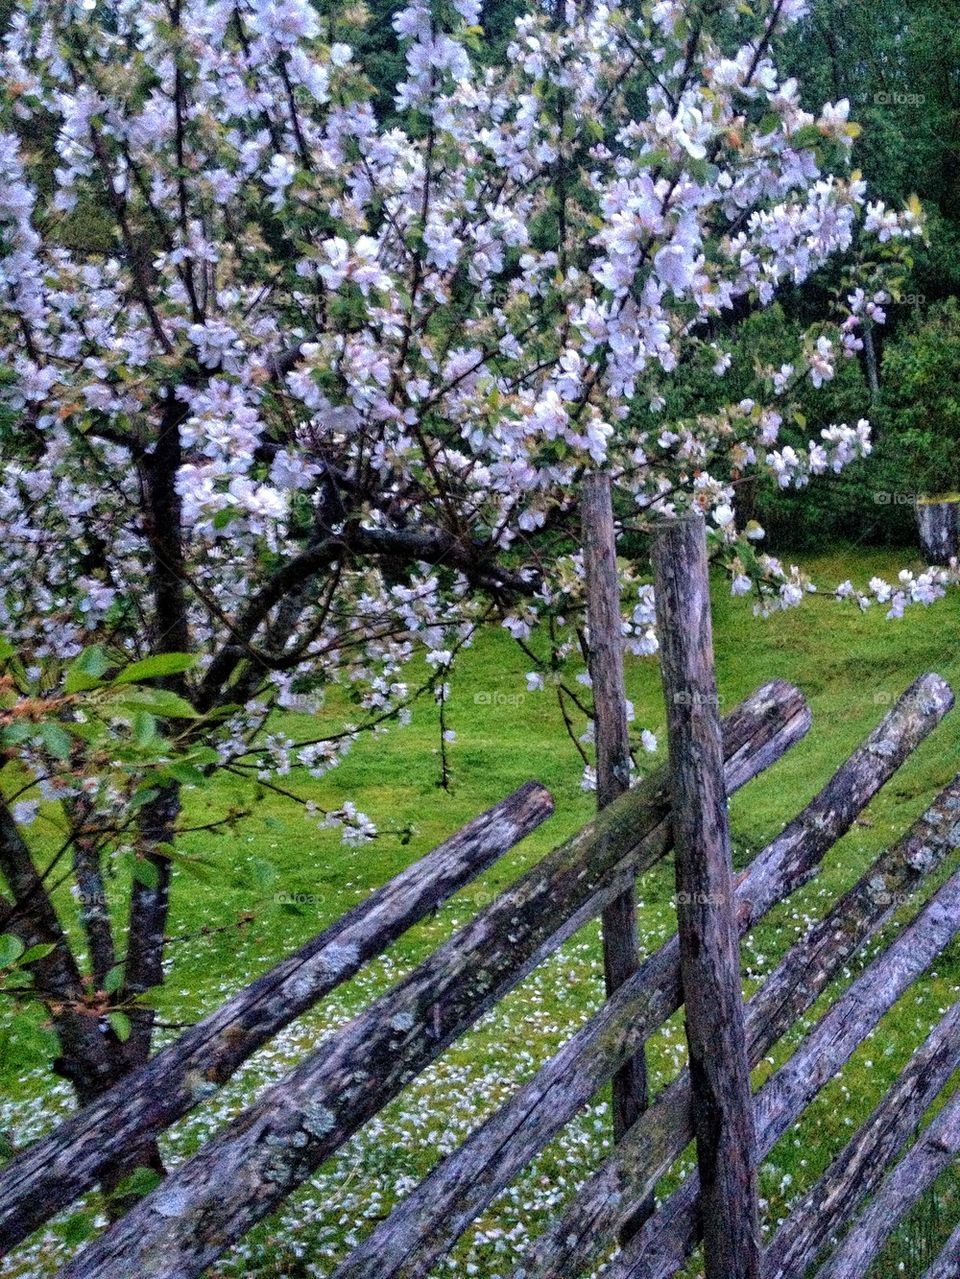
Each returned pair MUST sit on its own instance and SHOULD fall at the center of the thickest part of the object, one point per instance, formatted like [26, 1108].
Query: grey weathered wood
[662, 1247]
[56, 1170]
[932, 1153]
[938, 524]
[707, 925]
[606, 1199]
[621, 951]
[429, 1220]
[859, 1168]
[947, 1265]
[241, 1175]
[894, 739]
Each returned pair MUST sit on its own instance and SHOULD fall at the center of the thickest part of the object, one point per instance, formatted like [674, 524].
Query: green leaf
[159, 701]
[114, 979]
[145, 872]
[226, 515]
[14, 734]
[85, 671]
[144, 728]
[31, 955]
[55, 739]
[121, 1025]
[652, 159]
[185, 773]
[142, 797]
[198, 869]
[808, 136]
[156, 667]
[11, 948]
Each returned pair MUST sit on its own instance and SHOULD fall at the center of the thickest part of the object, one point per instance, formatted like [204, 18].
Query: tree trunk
[871, 361]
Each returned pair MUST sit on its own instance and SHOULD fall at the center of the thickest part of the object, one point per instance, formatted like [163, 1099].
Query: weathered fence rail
[857, 1172]
[215, 1197]
[947, 1265]
[933, 1152]
[244, 1172]
[53, 1172]
[658, 1140]
[665, 1243]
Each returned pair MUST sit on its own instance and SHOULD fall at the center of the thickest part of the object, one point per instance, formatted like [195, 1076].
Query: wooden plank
[706, 918]
[54, 1171]
[621, 950]
[664, 1244]
[947, 1265]
[905, 1185]
[418, 1232]
[857, 1171]
[605, 1200]
[215, 1197]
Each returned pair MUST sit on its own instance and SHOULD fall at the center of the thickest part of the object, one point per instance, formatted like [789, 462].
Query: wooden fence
[238, 1178]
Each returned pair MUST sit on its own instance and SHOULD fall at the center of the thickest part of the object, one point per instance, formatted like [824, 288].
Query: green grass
[850, 665]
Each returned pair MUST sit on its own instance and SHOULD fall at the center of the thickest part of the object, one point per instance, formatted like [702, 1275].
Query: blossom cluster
[318, 392]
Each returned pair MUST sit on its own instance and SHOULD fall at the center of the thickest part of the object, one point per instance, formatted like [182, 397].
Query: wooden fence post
[709, 949]
[621, 957]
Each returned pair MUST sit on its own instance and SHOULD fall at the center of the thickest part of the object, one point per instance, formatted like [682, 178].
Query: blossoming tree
[323, 393]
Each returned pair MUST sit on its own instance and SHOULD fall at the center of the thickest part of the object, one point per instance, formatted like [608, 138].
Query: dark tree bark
[706, 915]
[85, 1057]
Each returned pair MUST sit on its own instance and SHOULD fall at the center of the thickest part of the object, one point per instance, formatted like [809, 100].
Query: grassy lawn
[850, 666]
